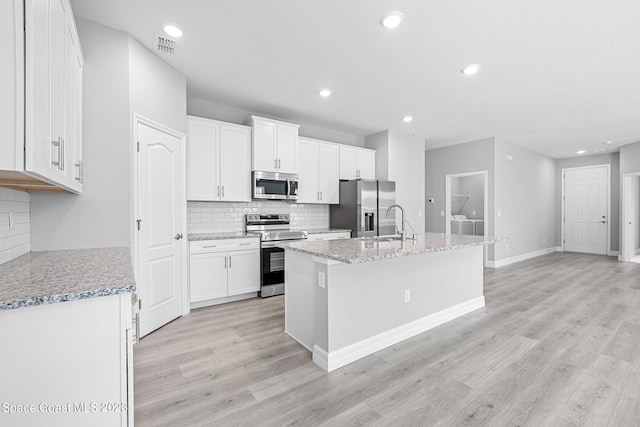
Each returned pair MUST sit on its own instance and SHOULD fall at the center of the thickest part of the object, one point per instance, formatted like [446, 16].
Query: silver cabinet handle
[57, 144]
[225, 261]
[279, 163]
[218, 189]
[178, 236]
[244, 244]
[210, 246]
[317, 195]
[223, 191]
[137, 328]
[62, 155]
[275, 163]
[79, 166]
[321, 195]
[229, 261]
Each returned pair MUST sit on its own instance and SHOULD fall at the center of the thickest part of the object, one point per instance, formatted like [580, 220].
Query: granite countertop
[357, 250]
[220, 235]
[56, 276]
[327, 230]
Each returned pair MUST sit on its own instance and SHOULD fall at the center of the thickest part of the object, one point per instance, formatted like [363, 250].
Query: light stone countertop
[357, 250]
[56, 276]
[220, 235]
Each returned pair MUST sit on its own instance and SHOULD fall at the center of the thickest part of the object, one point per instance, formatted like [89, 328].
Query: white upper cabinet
[274, 145]
[308, 171]
[318, 171]
[328, 173]
[218, 161]
[357, 163]
[45, 71]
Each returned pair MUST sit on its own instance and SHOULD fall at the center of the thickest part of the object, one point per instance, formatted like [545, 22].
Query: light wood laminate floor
[558, 343]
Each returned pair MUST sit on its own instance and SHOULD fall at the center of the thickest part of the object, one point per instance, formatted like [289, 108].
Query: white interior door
[586, 209]
[160, 211]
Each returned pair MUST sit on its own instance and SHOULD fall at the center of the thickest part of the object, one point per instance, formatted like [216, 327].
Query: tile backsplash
[213, 217]
[15, 238]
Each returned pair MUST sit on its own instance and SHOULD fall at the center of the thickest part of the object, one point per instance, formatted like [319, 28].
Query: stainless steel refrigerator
[362, 208]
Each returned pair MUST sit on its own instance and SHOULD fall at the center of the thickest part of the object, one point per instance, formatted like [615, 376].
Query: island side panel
[300, 298]
[368, 299]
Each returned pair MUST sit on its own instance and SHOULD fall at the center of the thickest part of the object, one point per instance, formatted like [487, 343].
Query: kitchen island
[347, 299]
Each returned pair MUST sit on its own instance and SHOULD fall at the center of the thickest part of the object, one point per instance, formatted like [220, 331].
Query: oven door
[271, 265]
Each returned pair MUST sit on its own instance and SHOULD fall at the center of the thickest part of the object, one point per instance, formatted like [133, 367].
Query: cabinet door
[78, 165]
[308, 171]
[208, 276]
[367, 164]
[328, 173]
[244, 272]
[264, 146]
[235, 164]
[348, 162]
[287, 144]
[203, 160]
[45, 23]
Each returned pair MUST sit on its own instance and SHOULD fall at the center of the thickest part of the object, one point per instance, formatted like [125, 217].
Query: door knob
[178, 236]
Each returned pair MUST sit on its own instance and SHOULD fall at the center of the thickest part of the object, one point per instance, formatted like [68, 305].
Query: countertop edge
[65, 297]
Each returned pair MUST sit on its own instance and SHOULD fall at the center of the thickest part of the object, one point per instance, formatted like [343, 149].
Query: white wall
[469, 157]
[399, 158]
[14, 241]
[612, 159]
[100, 216]
[525, 196]
[156, 90]
[200, 108]
[630, 158]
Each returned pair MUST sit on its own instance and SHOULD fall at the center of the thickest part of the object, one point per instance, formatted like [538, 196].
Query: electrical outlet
[321, 279]
[441, 213]
[499, 213]
[407, 295]
[11, 223]
[473, 213]
[507, 246]
[419, 213]
[544, 240]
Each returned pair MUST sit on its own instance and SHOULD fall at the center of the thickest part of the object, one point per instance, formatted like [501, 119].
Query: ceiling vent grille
[165, 44]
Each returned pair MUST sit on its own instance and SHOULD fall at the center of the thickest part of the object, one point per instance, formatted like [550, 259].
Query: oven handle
[275, 243]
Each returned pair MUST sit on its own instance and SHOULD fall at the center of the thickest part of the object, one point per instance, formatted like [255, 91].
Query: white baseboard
[507, 261]
[223, 300]
[339, 358]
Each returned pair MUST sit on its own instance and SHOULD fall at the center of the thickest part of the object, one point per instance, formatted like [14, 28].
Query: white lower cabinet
[70, 363]
[223, 268]
[330, 236]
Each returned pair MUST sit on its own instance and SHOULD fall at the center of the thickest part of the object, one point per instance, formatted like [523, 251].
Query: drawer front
[223, 245]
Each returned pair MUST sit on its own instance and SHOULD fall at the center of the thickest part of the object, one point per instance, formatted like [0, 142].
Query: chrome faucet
[386, 215]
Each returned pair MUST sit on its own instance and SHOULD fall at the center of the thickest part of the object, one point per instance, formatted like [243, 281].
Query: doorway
[586, 205]
[466, 203]
[630, 238]
[160, 224]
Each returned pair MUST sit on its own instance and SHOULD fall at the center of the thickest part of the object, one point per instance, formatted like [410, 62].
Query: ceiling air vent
[164, 44]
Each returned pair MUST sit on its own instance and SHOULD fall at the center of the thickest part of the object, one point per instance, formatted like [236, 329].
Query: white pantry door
[585, 209]
[160, 248]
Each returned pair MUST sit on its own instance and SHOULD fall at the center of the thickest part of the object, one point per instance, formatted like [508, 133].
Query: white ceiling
[557, 75]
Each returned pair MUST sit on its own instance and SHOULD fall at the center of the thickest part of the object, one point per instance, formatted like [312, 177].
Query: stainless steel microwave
[274, 185]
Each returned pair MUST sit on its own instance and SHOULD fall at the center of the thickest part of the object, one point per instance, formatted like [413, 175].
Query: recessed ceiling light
[325, 93]
[471, 69]
[608, 142]
[407, 119]
[391, 20]
[581, 151]
[172, 30]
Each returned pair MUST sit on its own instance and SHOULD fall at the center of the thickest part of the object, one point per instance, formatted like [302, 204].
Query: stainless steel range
[272, 228]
